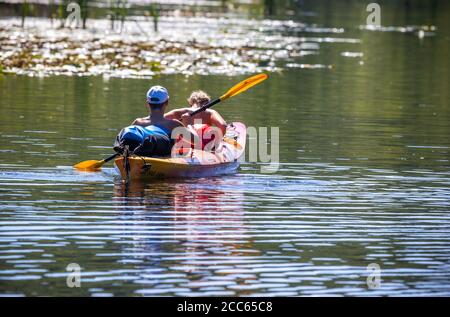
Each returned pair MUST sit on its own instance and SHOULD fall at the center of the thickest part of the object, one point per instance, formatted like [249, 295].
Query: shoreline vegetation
[113, 41]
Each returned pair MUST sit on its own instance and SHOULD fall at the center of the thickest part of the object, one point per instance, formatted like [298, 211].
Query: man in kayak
[157, 101]
[152, 135]
[202, 122]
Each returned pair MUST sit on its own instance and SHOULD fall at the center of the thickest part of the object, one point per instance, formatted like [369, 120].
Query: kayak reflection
[192, 222]
[196, 209]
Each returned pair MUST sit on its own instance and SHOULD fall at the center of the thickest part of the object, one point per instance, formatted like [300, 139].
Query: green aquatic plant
[25, 10]
[51, 12]
[61, 13]
[269, 7]
[123, 13]
[155, 66]
[84, 11]
[154, 12]
[118, 10]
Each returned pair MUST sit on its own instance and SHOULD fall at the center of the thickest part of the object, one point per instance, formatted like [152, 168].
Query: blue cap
[157, 95]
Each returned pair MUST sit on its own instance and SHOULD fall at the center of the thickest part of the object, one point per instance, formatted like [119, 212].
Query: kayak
[193, 163]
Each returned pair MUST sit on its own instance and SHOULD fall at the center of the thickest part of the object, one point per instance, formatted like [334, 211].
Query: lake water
[364, 178]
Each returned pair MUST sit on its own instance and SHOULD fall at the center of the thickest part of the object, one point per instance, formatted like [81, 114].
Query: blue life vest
[138, 133]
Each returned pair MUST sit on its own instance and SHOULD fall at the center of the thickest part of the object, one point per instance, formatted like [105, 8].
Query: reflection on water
[191, 206]
[312, 234]
[192, 226]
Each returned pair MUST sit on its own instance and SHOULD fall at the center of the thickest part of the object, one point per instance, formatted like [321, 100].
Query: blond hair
[198, 98]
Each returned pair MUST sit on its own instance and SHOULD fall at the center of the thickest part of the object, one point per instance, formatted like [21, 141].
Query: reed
[25, 10]
[84, 11]
[154, 12]
[118, 10]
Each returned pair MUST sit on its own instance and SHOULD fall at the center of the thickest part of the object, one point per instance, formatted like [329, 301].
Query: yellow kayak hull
[195, 163]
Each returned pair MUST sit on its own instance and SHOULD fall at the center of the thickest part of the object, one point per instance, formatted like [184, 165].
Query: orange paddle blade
[89, 165]
[243, 86]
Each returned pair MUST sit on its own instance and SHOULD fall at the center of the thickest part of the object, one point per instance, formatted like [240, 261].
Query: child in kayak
[152, 135]
[202, 122]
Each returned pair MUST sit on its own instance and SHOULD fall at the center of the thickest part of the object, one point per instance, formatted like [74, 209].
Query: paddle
[233, 91]
[92, 165]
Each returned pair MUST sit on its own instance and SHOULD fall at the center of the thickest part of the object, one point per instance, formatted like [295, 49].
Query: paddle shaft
[208, 105]
[233, 91]
[110, 158]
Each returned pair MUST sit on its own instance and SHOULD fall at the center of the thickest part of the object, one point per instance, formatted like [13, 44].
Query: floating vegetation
[185, 45]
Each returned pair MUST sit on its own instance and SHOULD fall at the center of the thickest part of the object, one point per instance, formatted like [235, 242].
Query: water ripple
[240, 235]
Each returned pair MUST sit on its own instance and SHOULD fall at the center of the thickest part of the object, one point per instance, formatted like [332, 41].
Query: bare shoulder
[140, 121]
[215, 113]
[211, 112]
[175, 113]
[179, 110]
[137, 121]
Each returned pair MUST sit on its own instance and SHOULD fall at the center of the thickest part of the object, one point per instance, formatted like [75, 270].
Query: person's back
[151, 135]
[155, 123]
